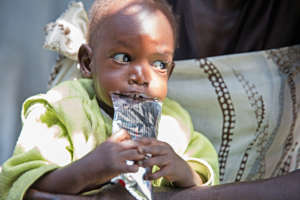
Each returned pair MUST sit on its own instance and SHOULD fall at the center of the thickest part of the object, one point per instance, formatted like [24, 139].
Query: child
[66, 145]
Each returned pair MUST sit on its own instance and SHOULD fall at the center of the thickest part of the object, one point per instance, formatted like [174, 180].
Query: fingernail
[140, 150]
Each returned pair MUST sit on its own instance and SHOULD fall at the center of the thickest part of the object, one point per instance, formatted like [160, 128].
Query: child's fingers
[128, 144]
[160, 161]
[163, 172]
[144, 140]
[120, 136]
[155, 150]
[132, 154]
[125, 168]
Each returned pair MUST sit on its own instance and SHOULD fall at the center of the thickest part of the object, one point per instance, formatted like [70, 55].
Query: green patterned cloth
[66, 123]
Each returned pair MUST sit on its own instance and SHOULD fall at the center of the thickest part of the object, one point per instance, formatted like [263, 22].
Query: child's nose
[139, 75]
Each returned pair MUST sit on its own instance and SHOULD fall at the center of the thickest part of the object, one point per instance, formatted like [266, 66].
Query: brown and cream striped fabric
[247, 105]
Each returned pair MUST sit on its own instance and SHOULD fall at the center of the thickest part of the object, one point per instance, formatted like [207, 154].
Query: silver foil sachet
[139, 116]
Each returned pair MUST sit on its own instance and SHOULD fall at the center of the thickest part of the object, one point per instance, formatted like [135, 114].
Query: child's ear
[85, 59]
[171, 70]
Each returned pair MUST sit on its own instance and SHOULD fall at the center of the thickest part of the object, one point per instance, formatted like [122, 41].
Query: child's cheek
[158, 88]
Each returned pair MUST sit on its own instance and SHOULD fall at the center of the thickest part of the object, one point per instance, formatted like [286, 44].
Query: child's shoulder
[71, 105]
[63, 94]
[67, 89]
[73, 88]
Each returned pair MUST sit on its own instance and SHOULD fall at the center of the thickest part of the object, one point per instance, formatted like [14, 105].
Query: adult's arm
[115, 192]
[278, 188]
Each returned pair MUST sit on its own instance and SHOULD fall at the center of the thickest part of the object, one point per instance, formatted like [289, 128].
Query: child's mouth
[134, 95]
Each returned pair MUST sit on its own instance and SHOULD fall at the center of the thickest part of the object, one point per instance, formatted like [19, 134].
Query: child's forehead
[100, 16]
[102, 9]
[127, 7]
[130, 14]
[133, 17]
[127, 30]
[122, 8]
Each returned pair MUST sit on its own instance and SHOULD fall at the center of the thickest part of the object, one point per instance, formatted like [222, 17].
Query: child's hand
[90, 172]
[172, 166]
[109, 159]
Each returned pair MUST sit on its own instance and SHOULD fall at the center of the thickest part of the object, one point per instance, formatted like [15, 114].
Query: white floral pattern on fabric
[65, 36]
[49, 143]
[68, 32]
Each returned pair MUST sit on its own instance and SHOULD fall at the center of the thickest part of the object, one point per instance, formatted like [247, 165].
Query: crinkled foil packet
[139, 116]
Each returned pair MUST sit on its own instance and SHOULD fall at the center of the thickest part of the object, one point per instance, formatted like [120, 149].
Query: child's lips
[134, 95]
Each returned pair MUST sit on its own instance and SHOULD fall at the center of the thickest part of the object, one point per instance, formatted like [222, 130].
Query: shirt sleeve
[202, 157]
[39, 150]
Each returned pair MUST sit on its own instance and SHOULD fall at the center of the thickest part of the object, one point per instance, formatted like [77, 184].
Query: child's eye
[159, 64]
[121, 58]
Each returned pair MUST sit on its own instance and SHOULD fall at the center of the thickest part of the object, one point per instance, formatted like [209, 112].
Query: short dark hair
[99, 8]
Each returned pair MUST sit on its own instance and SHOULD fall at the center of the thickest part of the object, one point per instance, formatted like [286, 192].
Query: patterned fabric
[66, 123]
[138, 117]
[247, 105]
[65, 36]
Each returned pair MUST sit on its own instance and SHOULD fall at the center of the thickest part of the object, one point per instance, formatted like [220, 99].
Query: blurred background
[24, 65]
[225, 26]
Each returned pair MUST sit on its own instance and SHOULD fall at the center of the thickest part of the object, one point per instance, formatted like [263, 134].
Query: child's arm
[176, 129]
[41, 151]
[202, 157]
[105, 162]
[198, 166]
[172, 166]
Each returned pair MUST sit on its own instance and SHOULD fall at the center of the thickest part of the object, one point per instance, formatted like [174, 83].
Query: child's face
[133, 54]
